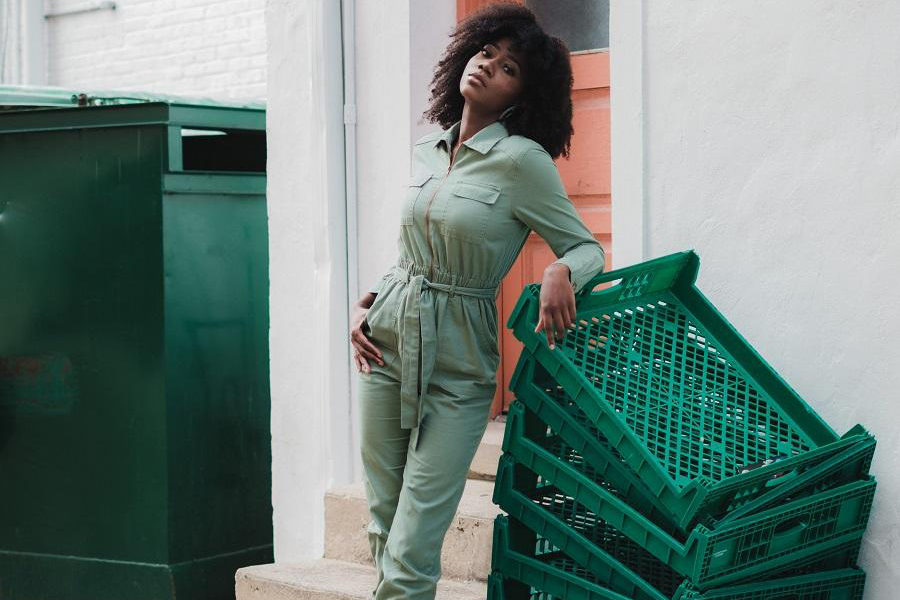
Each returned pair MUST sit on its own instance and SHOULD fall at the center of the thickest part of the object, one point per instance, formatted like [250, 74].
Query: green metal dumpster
[135, 456]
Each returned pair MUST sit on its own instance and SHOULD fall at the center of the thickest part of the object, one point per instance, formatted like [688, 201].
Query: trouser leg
[433, 482]
[383, 446]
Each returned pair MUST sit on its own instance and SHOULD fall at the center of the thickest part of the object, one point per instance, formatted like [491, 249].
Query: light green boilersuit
[434, 318]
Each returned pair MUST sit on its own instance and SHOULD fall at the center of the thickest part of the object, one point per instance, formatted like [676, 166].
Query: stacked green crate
[657, 419]
[547, 573]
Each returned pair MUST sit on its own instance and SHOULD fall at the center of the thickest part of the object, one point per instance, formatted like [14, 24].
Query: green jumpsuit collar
[482, 141]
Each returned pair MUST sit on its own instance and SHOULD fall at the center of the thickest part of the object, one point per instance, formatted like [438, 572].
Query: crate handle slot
[780, 478]
[616, 276]
[658, 273]
[791, 526]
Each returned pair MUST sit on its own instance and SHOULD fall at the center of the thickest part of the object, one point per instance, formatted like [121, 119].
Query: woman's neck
[472, 122]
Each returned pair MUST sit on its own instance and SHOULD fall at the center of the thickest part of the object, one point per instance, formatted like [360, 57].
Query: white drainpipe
[348, 14]
[22, 55]
[348, 32]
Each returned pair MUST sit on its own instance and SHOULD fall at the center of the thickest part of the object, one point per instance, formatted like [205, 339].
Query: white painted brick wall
[213, 48]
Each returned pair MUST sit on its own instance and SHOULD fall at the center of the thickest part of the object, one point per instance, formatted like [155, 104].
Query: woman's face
[492, 79]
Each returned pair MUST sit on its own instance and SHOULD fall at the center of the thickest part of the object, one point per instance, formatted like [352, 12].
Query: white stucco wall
[394, 64]
[314, 433]
[308, 299]
[429, 34]
[771, 147]
[383, 131]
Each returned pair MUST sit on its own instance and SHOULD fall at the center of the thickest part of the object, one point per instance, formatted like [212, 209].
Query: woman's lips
[478, 78]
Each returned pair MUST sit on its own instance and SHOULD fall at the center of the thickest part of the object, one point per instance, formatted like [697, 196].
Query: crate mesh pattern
[817, 522]
[680, 394]
[723, 499]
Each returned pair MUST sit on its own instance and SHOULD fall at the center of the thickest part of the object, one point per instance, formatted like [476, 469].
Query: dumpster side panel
[217, 321]
[82, 426]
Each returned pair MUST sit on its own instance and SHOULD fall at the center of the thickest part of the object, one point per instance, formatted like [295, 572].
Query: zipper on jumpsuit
[415, 436]
[427, 228]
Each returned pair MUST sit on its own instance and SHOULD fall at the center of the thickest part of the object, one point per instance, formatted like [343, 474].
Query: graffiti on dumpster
[37, 385]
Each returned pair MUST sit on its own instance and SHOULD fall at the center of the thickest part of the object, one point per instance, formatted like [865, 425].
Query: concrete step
[466, 554]
[325, 579]
[484, 465]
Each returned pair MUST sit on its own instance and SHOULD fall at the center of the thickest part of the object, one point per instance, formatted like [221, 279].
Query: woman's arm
[542, 204]
[363, 348]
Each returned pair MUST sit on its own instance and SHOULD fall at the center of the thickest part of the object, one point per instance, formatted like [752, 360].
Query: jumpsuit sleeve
[542, 204]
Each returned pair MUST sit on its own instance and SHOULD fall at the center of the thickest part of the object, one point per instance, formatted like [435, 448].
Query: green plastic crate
[848, 585]
[764, 542]
[673, 386]
[590, 444]
[617, 562]
[811, 472]
[553, 576]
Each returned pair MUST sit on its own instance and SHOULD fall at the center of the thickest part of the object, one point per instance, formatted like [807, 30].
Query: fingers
[560, 322]
[568, 311]
[546, 322]
[362, 365]
[361, 357]
[548, 329]
[366, 353]
[368, 349]
[556, 321]
[541, 324]
[364, 349]
[572, 315]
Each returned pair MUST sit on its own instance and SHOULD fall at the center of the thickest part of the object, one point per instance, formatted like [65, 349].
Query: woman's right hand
[363, 348]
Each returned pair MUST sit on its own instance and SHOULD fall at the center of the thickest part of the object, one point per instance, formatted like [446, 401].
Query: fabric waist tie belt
[418, 340]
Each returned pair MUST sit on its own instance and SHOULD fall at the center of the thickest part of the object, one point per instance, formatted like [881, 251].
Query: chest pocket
[468, 211]
[413, 197]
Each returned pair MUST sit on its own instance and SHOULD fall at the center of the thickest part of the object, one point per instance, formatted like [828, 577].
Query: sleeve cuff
[563, 261]
[584, 262]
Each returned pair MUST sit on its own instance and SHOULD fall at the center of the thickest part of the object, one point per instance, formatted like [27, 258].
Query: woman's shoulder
[519, 146]
[429, 137]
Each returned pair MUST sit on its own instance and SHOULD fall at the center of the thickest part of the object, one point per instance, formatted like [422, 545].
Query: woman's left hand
[557, 309]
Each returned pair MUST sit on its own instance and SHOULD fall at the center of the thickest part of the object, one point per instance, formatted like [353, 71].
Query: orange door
[586, 177]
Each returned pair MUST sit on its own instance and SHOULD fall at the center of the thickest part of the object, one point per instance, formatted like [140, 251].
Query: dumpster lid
[24, 97]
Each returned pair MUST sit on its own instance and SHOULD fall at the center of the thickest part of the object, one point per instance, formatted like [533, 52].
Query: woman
[425, 337]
